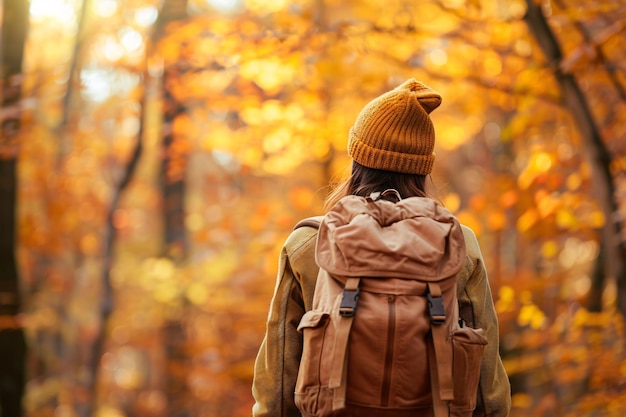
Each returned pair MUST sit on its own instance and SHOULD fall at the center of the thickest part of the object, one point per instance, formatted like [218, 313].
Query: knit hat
[394, 132]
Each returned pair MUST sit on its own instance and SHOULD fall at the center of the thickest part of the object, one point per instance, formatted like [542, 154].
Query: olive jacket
[276, 366]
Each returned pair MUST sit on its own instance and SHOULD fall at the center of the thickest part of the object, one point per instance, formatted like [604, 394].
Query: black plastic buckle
[436, 310]
[348, 302]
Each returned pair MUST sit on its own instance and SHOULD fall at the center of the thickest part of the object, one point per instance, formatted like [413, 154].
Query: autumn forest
[154, 155]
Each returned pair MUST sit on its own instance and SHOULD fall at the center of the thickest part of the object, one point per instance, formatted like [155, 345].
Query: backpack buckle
[349, 301]
[435, 309]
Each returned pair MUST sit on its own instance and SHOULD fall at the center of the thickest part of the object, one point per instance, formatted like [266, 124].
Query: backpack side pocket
[468, 346]
[311, 393]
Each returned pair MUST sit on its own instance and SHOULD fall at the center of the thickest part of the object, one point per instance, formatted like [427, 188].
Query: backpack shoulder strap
[440, 357]
[338, 379]
[313, 222]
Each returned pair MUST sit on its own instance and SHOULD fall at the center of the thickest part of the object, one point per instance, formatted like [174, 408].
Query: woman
[391, 144]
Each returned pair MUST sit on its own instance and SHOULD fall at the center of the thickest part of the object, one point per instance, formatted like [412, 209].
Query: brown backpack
[383, 337]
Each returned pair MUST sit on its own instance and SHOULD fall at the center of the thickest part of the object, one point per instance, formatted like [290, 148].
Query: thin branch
[456, 13]
[72, 79]
[599, 51]
[478, 81]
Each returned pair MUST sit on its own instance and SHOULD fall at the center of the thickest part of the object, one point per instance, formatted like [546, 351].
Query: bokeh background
[156, 153]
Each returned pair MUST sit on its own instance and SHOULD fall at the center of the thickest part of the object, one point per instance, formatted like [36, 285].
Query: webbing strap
[338, 372]
[440, 407]
[441, 363]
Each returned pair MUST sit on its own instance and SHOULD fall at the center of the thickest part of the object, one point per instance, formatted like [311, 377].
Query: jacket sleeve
[477, 309]
[277, 362]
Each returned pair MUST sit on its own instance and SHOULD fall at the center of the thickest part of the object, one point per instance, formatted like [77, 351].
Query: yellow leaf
[197, 293]
[469, 220]
[90, 244]
[496, 221]
[452, 201]
[301, 198]
[549, 249]
[574, 181]
[565, 219]
[521, 400]
[527, 220]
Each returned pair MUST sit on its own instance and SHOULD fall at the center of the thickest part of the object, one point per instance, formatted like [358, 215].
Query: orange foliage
[270, 90]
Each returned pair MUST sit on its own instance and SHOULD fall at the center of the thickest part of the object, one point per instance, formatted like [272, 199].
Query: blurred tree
[598, 154]
[175, 146]
[69, 105]
[111, 231]
[12, 344]
[174, 156]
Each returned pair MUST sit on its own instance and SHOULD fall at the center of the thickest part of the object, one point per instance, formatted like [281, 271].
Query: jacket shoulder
[313, 222]
[303, 237]
[473, 260]
[471, 243]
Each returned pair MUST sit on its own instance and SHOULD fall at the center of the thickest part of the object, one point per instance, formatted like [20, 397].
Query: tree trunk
[598, 280]
[107, 302]
[12, 342]
[595, 148]
[173, 167]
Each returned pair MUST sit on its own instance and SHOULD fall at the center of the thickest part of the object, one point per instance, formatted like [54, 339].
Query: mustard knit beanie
[394, 132]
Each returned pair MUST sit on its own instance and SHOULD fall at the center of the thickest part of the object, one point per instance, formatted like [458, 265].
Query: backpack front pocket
[468, 346]
[311, 392]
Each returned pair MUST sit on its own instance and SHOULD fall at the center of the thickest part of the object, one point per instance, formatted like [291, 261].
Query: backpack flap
[311, 319]
[415, 238]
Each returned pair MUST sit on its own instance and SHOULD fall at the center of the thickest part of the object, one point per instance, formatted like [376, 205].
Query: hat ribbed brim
[389, 160]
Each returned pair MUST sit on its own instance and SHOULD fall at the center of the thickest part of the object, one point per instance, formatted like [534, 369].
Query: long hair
[363, 181]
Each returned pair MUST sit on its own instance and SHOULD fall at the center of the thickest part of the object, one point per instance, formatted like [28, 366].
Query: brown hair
[363, 181]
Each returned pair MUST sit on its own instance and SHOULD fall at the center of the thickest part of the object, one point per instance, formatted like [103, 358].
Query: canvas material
[385, 360]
